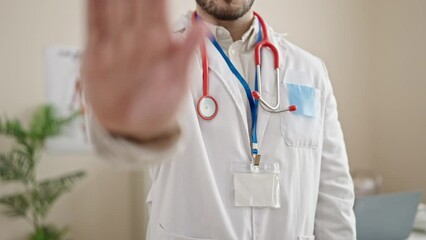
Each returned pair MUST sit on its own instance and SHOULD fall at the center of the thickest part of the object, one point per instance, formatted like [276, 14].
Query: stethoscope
[207, 106]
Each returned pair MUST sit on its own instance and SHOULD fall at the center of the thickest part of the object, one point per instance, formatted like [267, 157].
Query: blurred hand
[134, 72]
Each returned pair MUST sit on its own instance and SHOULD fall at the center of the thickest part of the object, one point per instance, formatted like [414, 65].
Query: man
[143, 84]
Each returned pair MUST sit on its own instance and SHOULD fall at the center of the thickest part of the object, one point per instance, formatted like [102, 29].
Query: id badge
[257, 186]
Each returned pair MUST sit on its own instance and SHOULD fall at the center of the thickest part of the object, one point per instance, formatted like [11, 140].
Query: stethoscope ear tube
[268, 44]
[291, 108]
[264, 104]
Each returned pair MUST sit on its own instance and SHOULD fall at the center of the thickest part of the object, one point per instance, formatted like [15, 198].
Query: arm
[334, 219]
[131, 153]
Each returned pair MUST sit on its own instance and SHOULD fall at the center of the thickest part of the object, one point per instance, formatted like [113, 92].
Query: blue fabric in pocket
[304, 98]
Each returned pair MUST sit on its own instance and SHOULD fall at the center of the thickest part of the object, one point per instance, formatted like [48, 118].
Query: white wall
[398, 93]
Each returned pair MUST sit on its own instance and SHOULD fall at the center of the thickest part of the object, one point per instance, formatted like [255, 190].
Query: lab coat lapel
[218, 66]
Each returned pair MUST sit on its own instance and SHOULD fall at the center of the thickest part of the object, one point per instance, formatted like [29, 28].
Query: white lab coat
[191, 194]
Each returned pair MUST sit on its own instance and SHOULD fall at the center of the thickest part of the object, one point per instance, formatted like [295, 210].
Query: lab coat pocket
[306, 237]
[166, 235]
[303, 127]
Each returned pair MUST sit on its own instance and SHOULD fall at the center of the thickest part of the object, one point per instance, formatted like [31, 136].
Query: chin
[226, 9]
[234, 5]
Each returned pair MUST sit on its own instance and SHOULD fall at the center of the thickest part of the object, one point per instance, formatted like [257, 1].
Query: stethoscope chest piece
[207, 107]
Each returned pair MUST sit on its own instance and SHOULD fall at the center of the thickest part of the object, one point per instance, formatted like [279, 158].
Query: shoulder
[296, 53]
[180, 26]
[298, 59]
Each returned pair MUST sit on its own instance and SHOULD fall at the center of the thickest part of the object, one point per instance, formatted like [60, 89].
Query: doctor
[228, 168]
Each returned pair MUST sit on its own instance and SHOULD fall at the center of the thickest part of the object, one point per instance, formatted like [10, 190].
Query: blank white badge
[257, 190]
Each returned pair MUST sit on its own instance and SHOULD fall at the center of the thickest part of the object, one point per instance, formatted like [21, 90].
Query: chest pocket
[303, 127]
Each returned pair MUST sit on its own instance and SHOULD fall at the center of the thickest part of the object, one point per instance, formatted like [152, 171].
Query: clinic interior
[376, 58]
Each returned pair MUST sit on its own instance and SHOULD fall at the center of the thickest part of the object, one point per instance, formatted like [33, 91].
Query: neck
[237, 27]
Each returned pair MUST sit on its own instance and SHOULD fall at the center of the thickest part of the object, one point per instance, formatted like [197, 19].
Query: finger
[121, 14]
[188, 47]
[159, 7]
[152, 11]
[96, 19]
[116, 10]
[132, 10]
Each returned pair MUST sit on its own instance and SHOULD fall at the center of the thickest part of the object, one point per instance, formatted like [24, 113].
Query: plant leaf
[48, 233]
[46, 123]
[15, 166]
[50, 190]
[13, 128]
[43, 124]
[16, 205]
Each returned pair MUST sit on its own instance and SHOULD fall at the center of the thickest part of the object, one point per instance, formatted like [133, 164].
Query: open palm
[134, 71]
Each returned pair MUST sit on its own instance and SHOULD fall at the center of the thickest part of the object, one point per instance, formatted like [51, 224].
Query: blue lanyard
[254, 104]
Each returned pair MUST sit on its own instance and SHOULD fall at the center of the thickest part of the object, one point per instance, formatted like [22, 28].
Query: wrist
[160, 138]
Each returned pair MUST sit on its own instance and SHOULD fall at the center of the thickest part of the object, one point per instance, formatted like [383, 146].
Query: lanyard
[254, 104]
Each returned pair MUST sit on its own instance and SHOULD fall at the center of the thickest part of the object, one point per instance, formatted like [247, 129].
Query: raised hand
[134, 71]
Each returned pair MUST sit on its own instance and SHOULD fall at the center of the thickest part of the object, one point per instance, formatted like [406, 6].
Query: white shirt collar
[222, 35]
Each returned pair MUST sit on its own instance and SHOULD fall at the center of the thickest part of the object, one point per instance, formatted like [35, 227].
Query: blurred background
[375, 53]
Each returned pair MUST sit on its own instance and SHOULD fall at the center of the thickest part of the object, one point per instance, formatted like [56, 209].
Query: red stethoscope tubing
[205, 69]
[206, 97]
[265, 43]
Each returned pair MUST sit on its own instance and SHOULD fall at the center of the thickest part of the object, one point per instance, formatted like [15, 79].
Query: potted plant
[19, 165]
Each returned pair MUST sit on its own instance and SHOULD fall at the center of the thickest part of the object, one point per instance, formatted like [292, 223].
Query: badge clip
[256, 162]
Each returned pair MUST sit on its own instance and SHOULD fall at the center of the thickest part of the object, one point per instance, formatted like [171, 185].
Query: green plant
[19, 165]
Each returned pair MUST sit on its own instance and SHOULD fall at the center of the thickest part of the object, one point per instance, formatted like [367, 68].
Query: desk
[417, 236]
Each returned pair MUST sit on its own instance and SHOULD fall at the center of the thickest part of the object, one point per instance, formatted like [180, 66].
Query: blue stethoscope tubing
[207, 106]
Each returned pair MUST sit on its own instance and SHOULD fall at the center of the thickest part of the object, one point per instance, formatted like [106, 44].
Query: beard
[230, 11]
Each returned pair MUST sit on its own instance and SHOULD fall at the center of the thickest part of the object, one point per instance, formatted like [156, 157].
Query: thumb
[190, 44]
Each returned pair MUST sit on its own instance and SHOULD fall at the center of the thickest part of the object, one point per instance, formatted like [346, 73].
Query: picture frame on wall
[64, 92]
